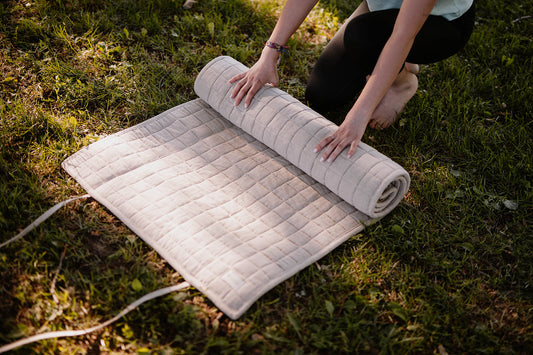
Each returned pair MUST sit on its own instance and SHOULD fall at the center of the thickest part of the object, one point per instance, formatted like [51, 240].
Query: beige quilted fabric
[236, 200]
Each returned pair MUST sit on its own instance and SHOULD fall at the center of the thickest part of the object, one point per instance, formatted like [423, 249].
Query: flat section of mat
[231, 215]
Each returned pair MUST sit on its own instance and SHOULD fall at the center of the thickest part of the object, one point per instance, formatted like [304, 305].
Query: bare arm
[411, 17]
[265, 71]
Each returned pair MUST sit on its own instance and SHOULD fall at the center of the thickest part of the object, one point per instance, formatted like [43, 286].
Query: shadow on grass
[446, 268]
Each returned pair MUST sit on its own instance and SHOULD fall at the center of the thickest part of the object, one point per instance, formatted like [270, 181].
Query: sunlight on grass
[448, 271]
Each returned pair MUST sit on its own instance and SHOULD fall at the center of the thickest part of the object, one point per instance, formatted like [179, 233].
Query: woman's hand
[349, 134]
[264, 71]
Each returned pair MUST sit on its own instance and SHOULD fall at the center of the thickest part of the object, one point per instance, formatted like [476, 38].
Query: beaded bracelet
[278, 47]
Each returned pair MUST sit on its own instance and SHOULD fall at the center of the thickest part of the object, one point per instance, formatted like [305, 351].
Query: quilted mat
[235, 199]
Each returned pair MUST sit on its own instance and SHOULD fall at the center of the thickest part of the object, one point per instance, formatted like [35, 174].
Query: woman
[376, 52]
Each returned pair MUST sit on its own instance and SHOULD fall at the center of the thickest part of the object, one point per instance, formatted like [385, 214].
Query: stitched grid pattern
[233, 216]
[292, 129]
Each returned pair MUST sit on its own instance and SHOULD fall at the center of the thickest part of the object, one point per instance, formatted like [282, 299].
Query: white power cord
[72, 333]
[42, 218]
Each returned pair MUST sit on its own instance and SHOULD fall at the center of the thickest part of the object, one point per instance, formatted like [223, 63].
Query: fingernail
[349, 156]
[330, 160]
[321, 159]
[315, 150]
[245, 105]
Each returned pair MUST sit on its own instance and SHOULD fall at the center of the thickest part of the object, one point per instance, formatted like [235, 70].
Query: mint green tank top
[449, 9]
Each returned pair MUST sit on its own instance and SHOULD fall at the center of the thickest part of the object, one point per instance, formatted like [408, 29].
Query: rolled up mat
[369, 181]
[235, 199]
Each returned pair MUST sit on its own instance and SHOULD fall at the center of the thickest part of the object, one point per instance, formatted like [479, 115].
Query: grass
[450, 270]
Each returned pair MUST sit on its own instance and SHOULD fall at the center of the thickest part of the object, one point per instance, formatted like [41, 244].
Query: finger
[238, 88]
[237, 77]
[329, 149]
[323, 143]
[251, 93]
[241, 93]
[353, 146]
[335, 153]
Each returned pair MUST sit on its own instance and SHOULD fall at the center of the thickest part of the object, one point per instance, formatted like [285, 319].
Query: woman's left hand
[349, 134]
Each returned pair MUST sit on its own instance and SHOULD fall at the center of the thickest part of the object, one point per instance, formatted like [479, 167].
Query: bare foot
[413, 68]
[401, 91]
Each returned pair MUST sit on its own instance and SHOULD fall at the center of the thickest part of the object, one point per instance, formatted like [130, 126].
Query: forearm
[411, 17]
[264, 70]
[293, 14]
[388, 66]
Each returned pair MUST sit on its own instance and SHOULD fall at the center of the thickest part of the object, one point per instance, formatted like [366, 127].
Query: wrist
[357, 118]
[280, 48]
[359, 112]
[270, 55]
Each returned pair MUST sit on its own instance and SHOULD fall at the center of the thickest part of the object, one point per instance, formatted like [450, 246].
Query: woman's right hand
[264, 71]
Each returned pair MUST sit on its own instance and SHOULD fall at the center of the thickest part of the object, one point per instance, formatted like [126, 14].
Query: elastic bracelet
[278, 47]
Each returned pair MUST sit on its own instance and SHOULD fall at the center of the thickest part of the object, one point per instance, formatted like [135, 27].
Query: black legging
[341, 70]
